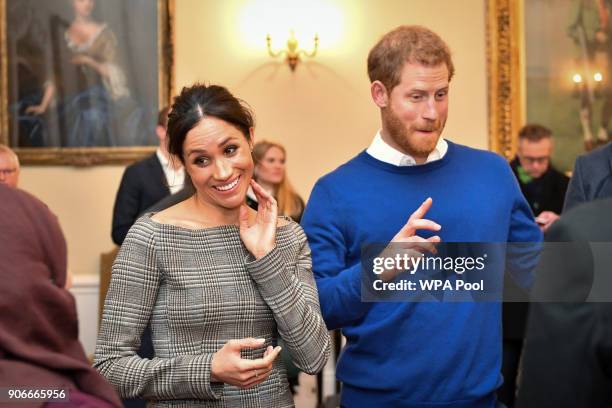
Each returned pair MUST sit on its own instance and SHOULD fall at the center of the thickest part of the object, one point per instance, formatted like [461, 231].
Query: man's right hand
[412, 243]
[546, 219]
[227, 366]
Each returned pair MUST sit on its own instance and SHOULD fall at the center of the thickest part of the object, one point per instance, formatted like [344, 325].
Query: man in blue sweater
[409, 354]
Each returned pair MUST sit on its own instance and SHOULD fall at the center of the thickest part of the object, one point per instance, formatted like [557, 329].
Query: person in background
[592, 177]
[9, 167]
[567, 361]
[39, 345]
[146, 182]
[543, 186]
[271, 173]
[219, 282]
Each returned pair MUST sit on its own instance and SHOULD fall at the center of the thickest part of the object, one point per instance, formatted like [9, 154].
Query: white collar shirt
[381, 150]
[174, 177]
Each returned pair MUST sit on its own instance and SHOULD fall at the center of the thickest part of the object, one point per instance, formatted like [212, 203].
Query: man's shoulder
[597, 157]
[142, 164]
[604, 151]
[479, 157]
[147, 161]
[340, 173]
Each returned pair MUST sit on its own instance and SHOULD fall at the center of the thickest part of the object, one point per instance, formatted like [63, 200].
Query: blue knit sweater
[406, 354]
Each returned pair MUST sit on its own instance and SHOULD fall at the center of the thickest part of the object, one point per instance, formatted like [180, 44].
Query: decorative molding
[504, 60]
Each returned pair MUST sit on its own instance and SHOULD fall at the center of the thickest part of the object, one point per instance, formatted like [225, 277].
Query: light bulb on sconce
[598, 77]
[585, 86]
[292, 52]
[578, 85]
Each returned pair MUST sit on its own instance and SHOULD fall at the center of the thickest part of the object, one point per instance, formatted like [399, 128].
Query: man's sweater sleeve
[526, 238]
[339, 284]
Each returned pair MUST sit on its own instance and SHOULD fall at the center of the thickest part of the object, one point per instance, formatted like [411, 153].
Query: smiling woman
[220, 283]
[271, 173]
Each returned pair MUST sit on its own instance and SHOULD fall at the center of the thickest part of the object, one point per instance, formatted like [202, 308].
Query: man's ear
[160, 131]
[379, 94]
[251, 137]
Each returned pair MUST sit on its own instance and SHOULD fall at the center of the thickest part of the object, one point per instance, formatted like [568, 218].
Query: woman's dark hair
[200, 101]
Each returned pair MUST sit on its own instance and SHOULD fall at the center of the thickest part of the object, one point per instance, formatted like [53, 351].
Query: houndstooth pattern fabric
[201, 288]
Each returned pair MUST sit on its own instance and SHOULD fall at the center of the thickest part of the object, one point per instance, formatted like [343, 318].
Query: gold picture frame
[505, 61]
[94, 155]
[549, 64]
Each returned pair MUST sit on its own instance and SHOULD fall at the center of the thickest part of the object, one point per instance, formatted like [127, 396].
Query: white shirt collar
[162, 159]
[381, 150]
[174, 177]
[251, 194]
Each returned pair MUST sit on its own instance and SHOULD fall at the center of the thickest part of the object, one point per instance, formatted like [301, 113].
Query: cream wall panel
[83, 201]
[322, 112]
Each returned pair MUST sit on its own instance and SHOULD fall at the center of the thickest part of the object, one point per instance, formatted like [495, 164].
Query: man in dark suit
[568, 349]
[592, 177]
[146, 182]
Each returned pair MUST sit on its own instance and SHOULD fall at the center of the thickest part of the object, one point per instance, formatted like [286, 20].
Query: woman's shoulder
[181, 217]
[165, 216]
[80, 36]
[177, 215]
[283, 221]
[142, 232]
[289, 229]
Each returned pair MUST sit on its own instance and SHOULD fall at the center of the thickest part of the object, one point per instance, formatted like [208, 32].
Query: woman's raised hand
[260, 237]
[228, 367]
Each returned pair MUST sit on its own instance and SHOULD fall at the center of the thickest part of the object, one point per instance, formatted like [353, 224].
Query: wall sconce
[592, 89]
[292, 52]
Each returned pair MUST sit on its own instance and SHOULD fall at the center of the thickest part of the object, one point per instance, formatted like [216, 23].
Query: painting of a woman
[97, 108]
[84, 78]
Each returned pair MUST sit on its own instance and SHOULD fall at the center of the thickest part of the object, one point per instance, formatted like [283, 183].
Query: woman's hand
[44, 103]
[260, 238]
[35, 110]
[82, 59]
[227, 366]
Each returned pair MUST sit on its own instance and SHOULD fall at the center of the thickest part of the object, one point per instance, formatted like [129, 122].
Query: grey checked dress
[201, 288]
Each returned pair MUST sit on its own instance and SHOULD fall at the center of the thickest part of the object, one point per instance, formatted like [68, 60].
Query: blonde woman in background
[271, 174]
